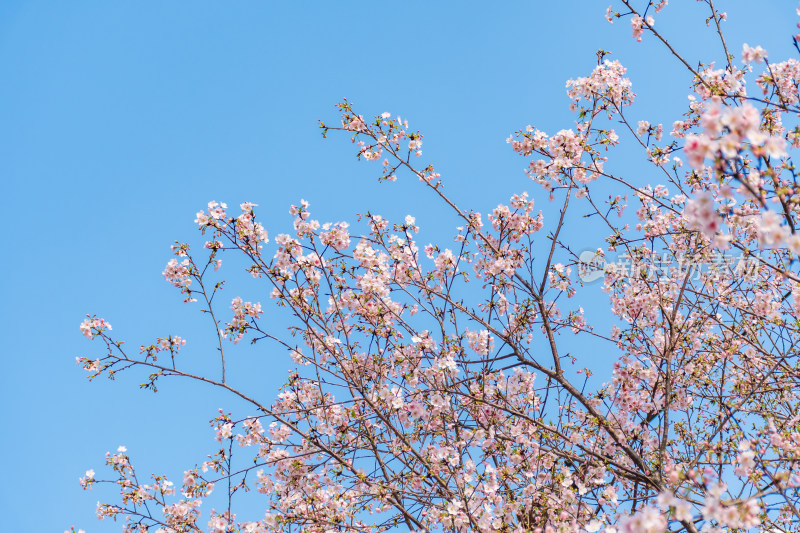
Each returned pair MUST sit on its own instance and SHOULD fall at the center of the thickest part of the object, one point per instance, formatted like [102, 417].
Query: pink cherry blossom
[478, 383]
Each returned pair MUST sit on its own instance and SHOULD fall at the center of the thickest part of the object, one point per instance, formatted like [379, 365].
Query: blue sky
[120, 120]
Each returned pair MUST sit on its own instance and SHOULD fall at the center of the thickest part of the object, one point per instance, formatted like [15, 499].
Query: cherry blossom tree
[439, 387]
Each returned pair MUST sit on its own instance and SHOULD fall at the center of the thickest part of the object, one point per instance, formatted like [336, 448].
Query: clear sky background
[120, 120]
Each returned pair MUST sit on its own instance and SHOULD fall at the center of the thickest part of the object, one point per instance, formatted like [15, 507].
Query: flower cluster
[179, 274]
[243, 313]
[606, 84]
[93, 326]
[702, 215]
[216, 213]
[728, 131]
